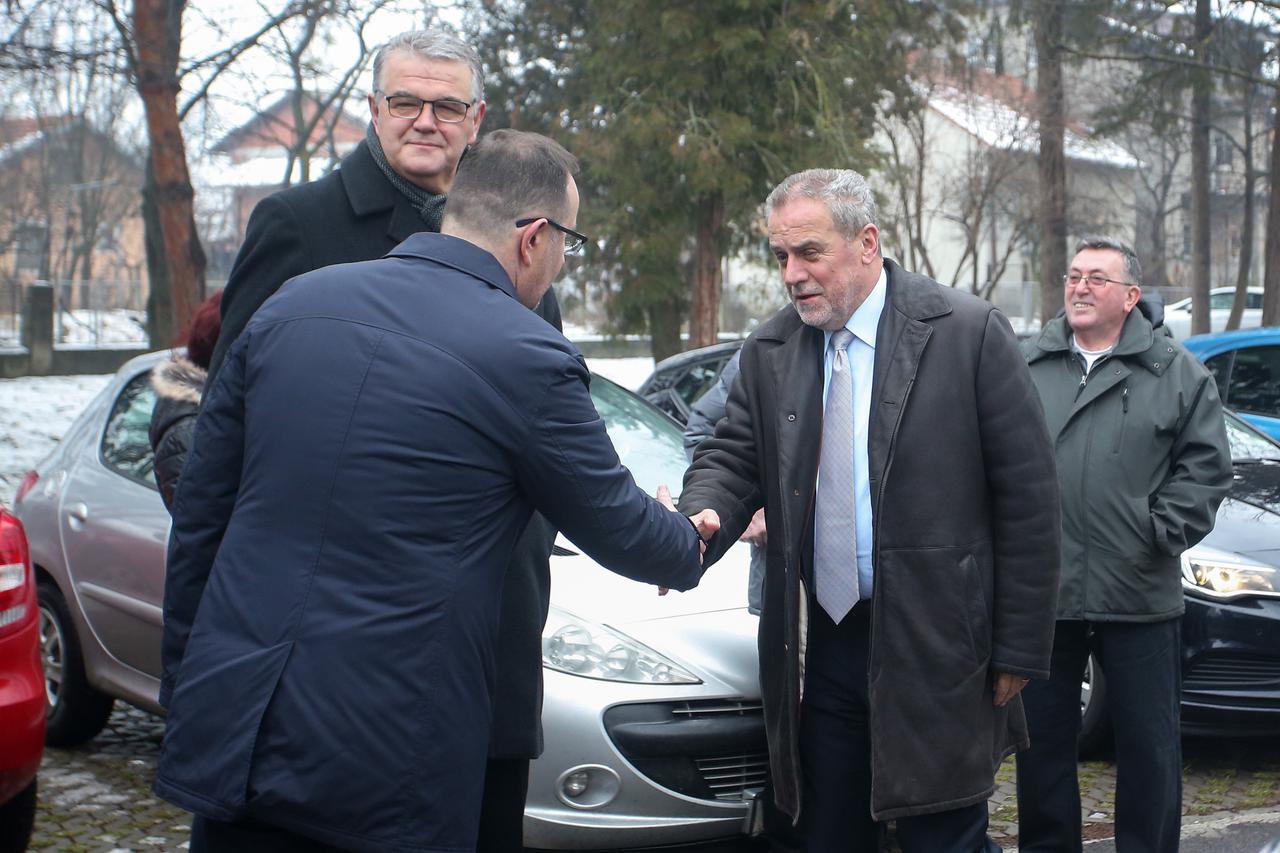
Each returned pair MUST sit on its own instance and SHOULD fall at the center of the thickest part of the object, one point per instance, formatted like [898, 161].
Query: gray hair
[509, 175]
[1132, 268]
[845, 193]
[432, 44]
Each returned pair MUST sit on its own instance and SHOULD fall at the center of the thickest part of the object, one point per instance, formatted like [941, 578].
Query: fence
[53, 337]
[90, 314]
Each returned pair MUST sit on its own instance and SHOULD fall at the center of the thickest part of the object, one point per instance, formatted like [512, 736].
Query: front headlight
[582, 647]
[1222, 575]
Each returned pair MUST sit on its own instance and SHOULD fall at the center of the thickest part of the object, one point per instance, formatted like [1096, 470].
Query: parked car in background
[653, 725]
[677, 382]
[1231, 628]
[22, 698]
[1177, 316]
[1246, 365]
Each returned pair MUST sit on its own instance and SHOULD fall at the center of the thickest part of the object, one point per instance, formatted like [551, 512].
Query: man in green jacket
[1143, 463]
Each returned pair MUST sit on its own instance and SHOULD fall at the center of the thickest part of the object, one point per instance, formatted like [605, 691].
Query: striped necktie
[835, 547]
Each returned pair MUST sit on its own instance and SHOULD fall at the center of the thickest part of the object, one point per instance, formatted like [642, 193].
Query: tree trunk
[704, 323]
[1050, 104]
[1201, 92]
[1271, 261]
[1246, 225]
[180, 261]
[664, 329]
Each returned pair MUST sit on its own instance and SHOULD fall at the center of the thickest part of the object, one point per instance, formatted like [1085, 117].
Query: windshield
[648, 442]
[1247, 443]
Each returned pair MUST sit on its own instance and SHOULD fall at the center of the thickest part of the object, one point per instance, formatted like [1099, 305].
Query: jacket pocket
[214, 720]
[932, 613]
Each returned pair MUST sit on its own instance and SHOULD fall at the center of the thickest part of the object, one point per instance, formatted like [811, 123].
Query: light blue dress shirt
[862, 362]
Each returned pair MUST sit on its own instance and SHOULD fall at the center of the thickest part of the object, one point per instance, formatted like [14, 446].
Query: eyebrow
[799, 247]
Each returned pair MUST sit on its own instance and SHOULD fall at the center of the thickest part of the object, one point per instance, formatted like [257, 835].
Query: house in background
[960, 186]
[70, 215]
[298, 138]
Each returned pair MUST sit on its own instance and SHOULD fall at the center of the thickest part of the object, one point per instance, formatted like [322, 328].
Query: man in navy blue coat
[366, 459]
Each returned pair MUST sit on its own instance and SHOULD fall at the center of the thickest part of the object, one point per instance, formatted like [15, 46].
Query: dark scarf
[429, 205]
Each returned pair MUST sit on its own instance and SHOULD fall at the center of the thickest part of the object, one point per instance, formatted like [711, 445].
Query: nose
[793, 272]
[426, 120]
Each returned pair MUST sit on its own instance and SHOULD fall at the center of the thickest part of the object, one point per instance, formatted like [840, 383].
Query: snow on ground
[35, 411]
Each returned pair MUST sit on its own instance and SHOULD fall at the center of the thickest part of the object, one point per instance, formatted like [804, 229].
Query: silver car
[652, 716]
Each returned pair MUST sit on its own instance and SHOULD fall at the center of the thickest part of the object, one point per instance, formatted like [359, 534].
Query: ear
[373, 109]
[475, 127]
[869, 244]
[531, 237]
[1131, 297]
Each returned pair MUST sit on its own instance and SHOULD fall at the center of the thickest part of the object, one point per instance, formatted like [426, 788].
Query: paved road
[97, 799]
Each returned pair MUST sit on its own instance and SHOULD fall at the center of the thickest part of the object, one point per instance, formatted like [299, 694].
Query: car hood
[583, 587]
[1248, 521]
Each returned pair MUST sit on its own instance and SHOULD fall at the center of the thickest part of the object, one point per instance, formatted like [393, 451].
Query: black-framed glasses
[573, 240]
[448, 110]
[1094, 279]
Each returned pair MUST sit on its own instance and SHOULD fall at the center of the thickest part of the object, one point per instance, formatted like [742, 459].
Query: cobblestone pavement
[97, 799]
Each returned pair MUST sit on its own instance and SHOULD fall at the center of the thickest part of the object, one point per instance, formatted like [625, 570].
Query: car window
[1255, 381]
[649, 444]
[1247, 443]
[126, 449]
[699, 379]
[1221, 301]
[1253, 300]
[1220, 367]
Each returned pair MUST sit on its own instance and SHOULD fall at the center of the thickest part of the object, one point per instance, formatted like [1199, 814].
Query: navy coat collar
[458, 254]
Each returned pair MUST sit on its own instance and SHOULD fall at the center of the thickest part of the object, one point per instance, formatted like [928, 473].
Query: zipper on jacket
[1124, 416]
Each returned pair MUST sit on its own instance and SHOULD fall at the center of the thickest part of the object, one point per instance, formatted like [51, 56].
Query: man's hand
[1007, 686]
[755, 532]
[706, 523]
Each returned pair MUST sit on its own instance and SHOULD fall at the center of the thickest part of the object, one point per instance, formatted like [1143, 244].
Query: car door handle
[77, 515]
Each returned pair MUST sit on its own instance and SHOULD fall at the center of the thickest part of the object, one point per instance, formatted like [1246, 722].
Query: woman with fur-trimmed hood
[179, 386]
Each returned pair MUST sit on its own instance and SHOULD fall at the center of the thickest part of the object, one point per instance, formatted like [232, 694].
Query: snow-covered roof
[261, 172]
[22, 143]
[999, 125]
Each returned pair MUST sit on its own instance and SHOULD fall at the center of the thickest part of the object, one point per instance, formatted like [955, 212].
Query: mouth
[1081, 306]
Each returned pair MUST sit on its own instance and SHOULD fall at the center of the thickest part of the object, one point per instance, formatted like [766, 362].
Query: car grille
[712, 750]
[735, 777]
[1233, 670]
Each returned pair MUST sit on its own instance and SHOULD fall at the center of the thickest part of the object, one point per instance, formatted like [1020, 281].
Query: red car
[22, 691]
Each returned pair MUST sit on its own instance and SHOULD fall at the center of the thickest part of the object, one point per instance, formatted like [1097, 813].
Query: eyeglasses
[1095, 279]
[573, 240]
[448, 110]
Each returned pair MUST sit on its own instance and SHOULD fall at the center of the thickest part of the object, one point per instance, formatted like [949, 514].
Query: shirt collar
[866, 319]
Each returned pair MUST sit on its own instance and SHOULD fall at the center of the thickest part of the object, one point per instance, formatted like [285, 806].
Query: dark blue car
[1246, 365]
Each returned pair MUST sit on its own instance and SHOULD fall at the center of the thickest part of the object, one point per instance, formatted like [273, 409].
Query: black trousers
[250, 836]
[835, 753]
[506, 785]
[1142, 666]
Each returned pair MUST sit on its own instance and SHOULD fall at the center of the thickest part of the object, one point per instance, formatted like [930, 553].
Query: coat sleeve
[571, 473]
[725, 475]
[1183, 509]
[171, 455]
[1026, 522]
[710, 408]
[201, 511]
[274, 251]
